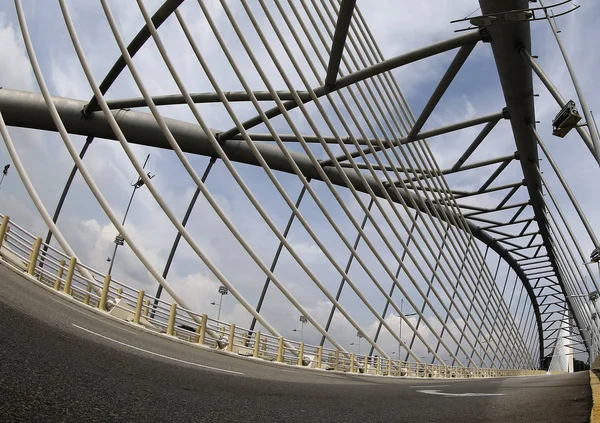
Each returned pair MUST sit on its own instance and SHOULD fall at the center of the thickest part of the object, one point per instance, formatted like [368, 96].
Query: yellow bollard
[61, 269]
[86, 299]
[351, 362]
[256, 344]
[35, 251]
[319, 357]
[301, 354]
[138, 307]
[119, 292]
[231, 337]
[202, 329]
[337, 360]
[104, 294]
[146, 308]
[69, 278]
[3, 229]
[280, 350]
[171, 324]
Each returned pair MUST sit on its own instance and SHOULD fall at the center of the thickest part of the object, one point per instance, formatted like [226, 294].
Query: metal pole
[178, 236]
[346, 270]
[135, 187]
[220, 302]
[63, 196]
[400, 329]
[277, 254]
[584, 106]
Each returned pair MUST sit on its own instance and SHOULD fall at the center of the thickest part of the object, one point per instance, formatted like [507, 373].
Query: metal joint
[485, 35]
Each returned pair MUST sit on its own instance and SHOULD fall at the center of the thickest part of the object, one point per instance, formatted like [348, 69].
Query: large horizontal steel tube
[29, 110]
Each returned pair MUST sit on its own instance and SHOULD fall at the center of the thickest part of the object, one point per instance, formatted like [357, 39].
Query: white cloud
[398, 27]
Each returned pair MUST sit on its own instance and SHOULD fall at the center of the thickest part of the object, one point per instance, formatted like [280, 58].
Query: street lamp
[4, 172]
[303, 321]
[358, 335]
[223, 291]
[119, 240]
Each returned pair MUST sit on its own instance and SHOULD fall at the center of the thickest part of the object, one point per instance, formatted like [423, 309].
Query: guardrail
[55, 269]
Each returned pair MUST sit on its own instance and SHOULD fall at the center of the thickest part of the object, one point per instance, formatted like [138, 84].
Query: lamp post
[303, 321]
[400, 324]
[223, 291]
[358, 335]
[119, 240]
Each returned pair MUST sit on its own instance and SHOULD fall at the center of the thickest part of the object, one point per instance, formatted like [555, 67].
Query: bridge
[341, 231]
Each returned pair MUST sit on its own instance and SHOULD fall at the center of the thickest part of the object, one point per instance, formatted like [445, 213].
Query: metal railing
[55, 269]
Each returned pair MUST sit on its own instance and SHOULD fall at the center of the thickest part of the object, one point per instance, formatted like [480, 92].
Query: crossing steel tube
[29, 110]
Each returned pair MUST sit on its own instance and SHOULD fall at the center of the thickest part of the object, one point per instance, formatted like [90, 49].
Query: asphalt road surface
[62, 363]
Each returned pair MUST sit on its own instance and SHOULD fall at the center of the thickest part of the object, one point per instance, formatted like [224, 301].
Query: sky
[474, 92]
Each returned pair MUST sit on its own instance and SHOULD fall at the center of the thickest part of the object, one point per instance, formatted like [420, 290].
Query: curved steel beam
[29, 110]
[517, 85]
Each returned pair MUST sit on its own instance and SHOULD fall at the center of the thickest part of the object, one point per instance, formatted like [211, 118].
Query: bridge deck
[59, 362]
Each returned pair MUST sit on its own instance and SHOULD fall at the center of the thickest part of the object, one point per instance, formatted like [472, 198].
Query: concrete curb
[595, 385]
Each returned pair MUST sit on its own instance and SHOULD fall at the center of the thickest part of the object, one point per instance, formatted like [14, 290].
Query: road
[61, 362]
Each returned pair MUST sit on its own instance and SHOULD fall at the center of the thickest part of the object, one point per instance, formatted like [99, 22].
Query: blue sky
[474, 92]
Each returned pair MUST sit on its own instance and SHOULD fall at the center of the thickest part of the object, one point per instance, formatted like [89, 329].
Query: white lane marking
[95, 318]
[466, 394]
[427, 386]
[156, 354]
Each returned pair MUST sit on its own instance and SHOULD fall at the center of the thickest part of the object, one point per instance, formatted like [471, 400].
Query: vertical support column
[378, 369]
[138, 307]
[301, 354]
[336, 365]
[172, 315]
[280, 350]
[69, 278]
[319, 356]
[86, 299]
[352, 363]
[35, 251]
[61, 269]
[104, 294]
[146, 308]
[3, 229]
[256, 344]
[202, 329]
[264, 347]
[231, 339]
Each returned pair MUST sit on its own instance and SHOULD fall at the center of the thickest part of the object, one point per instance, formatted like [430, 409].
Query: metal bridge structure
[295, 107]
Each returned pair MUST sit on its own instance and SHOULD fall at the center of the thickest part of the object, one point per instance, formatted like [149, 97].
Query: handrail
[19, 248]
